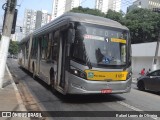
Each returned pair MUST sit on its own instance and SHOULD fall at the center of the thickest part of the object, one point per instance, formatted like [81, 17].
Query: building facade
[61, 6]
[34, 19]
[46, 17]
[105, 5]
[148, 4]
[29, 21]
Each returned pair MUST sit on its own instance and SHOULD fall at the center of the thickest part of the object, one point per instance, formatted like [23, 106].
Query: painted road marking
[135, 109]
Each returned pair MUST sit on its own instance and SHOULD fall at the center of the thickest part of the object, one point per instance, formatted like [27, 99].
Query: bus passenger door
[38, 58]
[26, 54]
[57, 56]
[62, 56]
[45, 63]
[61, 59]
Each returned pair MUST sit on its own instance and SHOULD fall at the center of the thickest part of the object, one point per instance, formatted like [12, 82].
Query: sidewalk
[10, 99]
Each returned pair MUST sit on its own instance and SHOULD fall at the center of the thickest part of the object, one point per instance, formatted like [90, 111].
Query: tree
[117, 16]
[143, 24]
[13, 47]
[88, 11]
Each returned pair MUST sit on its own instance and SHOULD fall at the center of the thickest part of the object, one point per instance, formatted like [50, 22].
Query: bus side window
[55, 46]
[27, 49]
[23, 51]
[49, 46]
[34, 48]
[44, 46]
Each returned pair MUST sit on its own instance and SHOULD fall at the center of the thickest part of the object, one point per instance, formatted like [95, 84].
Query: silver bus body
[46, 68]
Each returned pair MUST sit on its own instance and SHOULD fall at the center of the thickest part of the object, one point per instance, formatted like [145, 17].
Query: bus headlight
[78, 73]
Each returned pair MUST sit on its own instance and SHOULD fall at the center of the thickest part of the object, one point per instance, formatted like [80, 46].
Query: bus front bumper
[77, 85]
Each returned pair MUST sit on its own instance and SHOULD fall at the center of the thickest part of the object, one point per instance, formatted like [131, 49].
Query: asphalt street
[41, 98]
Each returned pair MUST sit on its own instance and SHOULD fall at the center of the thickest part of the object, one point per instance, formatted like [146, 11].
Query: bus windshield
[100, 45]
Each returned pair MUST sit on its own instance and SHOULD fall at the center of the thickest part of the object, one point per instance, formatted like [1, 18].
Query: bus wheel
[52, 79]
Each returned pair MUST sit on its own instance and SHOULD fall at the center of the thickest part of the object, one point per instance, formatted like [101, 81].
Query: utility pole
[155, 59]
[5, 40]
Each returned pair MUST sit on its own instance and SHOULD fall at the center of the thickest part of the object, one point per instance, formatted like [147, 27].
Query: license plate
[106, 91]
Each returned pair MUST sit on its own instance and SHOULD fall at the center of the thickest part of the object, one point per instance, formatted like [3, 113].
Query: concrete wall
[144, 49]
[138, 63]
[142, 56]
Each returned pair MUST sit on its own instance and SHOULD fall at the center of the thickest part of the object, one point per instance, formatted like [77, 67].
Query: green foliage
[117, 16]
[88, 11]
[143, 24]
[13, 47]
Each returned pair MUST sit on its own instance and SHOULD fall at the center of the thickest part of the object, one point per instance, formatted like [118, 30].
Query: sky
[47, 5]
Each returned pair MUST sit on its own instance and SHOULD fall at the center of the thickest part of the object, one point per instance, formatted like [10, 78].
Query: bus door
[23, 54]
[26, 54]
[45, 62]
[38, 57]
[57, 58]
[62, 56]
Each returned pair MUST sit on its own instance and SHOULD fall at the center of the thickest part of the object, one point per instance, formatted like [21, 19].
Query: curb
[18, 96]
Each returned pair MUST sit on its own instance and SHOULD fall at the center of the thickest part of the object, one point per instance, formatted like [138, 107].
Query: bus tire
[52, 80]
[33, 69]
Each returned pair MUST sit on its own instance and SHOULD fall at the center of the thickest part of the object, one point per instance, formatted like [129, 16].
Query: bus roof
[87, 18]
[77, 17]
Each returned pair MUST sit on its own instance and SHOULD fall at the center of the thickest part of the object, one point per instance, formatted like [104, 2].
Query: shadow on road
[41, 82]
[147, 91]
[152, 92]
[94, 98]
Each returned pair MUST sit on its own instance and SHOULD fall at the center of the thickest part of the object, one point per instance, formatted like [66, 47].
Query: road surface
[37, 96]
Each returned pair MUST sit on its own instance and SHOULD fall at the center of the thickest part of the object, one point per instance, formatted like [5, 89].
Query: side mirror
[71, 36]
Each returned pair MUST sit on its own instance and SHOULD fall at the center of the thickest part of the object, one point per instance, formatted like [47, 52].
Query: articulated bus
[80, 54]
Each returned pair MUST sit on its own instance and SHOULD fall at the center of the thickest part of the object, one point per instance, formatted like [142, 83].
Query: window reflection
[102, 45]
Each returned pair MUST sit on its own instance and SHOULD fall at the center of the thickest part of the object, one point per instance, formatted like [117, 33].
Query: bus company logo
[90, 75]
[6, 114]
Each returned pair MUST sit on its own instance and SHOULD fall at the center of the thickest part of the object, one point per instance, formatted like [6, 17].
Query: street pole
[5, 40]
[155, 59]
